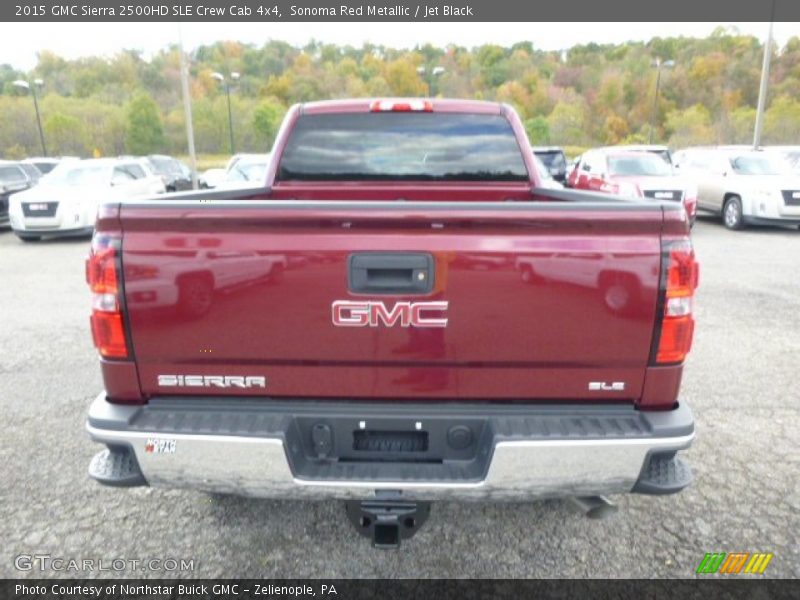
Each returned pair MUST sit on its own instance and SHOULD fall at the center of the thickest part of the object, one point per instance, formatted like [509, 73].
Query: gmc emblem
[373, 313]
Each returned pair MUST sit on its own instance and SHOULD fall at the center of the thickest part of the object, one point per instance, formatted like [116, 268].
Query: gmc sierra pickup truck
[400, 314]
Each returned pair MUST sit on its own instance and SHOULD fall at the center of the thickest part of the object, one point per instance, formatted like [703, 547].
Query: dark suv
[554, 159]
[177, 176]
[13, 178]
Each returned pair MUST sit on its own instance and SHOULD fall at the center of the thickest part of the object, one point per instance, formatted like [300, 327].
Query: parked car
[571, 168]
[33, 174]
[791, 154]
[211, 178]
[547, 178]
[177, 176]
[13, 178]
[743, 186]
[554, 159]
[657, 149]
[636, 174]
[246, 169]
[400, 359]
[43, 164]
[66, 200]
[237, 157]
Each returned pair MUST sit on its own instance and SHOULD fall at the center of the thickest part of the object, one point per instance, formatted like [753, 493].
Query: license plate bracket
[390, 442]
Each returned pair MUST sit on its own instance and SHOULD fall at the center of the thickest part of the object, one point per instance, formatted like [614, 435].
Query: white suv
[65, 201]
[742, 185]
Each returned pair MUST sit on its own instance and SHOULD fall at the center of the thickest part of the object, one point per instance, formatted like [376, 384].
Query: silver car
[742, 185]
[791, 154]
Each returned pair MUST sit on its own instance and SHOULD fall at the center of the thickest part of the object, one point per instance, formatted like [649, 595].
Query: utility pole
[221, 78]
[657, 63]
[762, 91]
[187, 110]
[428, 75]
[230, 116]
[22, 84]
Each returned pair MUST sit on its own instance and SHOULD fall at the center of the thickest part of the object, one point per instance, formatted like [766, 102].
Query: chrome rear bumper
[522, 453]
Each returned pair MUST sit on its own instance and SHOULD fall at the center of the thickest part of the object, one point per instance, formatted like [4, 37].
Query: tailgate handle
[390, 273]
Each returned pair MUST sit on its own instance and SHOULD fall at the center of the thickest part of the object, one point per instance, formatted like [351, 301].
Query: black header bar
[732, 588]
[277, 11]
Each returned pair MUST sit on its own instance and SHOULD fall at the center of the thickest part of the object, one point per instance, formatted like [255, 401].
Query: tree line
[587, 95]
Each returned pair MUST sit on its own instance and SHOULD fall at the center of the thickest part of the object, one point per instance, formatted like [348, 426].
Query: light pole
[21, 83]
[187, 109]
[431, 75]
[762, 91]
[658, 64]
[221, 78]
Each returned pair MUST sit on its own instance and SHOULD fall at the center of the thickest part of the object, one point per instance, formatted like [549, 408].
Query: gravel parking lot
[741, 381]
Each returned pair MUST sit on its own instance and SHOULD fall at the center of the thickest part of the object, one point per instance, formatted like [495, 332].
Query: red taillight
[108, 329]
[401, 106]
[108, 333]
[101, 270]
[679, 280]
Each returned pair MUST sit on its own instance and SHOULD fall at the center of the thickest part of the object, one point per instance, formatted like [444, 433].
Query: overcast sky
[20, 42]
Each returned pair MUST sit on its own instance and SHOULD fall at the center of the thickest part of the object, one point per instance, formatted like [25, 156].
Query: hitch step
[116, 467]
[387, 521]
[663, 475]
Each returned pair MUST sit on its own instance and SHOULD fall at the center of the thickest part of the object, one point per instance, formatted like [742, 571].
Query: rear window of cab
[402, 146]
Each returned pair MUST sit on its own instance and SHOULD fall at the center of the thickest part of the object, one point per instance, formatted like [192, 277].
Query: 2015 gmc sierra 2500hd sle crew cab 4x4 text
[401, 314]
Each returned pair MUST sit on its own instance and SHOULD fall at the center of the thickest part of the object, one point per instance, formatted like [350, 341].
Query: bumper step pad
[663, 475]
[305, 448]
[116, 467]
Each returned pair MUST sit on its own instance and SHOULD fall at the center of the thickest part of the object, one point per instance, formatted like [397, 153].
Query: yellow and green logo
[734, 563]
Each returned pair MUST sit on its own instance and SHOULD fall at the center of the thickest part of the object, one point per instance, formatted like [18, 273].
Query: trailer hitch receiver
[387, 521]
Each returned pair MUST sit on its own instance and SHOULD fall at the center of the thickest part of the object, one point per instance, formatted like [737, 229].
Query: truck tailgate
[544, 300]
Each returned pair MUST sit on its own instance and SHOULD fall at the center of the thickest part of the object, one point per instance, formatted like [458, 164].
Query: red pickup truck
[400, 314]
